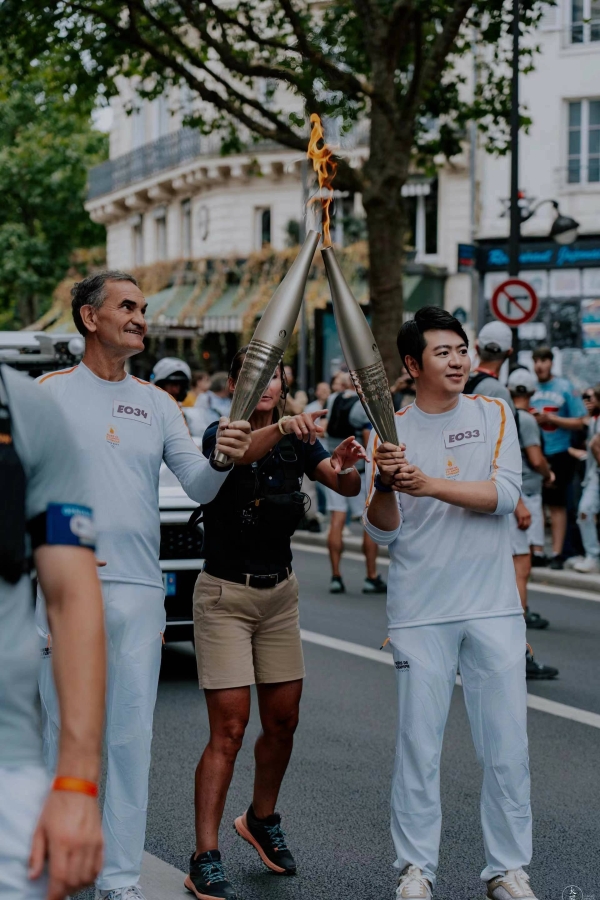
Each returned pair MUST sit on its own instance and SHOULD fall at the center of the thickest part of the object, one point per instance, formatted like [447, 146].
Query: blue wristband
[380, 486]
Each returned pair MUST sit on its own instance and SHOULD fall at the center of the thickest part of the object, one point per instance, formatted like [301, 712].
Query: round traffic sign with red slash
[515, 302]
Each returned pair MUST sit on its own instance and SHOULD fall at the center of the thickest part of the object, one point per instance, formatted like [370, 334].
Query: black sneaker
[268, 839]
[534, 669]
[534, 620]
[557, 562]
[207, 878]
[374, 585]
[337, 585]
[538, 560]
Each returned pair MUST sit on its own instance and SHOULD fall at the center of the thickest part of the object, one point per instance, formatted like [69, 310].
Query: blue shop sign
[542, 256]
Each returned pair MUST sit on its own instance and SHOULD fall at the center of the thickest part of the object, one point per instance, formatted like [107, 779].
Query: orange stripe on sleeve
[52, 374]
[502, 425]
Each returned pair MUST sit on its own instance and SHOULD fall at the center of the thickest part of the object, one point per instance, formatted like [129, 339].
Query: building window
[138, 242]
[583, 164]
[186, 229]
[422, 214]
[161, 237]
[585, 21]
[138, 124]
[263, 227]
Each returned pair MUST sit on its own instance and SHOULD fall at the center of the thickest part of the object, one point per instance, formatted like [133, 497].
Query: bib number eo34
[135, 413]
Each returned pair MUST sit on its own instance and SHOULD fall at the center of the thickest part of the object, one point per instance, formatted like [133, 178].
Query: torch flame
[325, 167]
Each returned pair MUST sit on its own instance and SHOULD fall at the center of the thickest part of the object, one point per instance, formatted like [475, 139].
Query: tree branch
[338, 77]
[434, 65]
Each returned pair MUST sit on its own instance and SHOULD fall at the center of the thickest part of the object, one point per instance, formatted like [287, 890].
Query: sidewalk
[566, 579]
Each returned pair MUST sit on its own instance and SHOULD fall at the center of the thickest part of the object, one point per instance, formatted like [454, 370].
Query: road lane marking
[160, 879]
[533, 585]
[569, 592]
[541, 704]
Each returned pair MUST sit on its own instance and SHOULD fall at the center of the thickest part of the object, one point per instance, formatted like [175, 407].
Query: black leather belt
[255, 581]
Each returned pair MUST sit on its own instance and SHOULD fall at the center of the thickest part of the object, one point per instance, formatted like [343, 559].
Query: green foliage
[46, 146]
[398, 61]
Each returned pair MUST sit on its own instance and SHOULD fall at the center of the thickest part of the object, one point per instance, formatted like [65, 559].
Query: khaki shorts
[246, 635]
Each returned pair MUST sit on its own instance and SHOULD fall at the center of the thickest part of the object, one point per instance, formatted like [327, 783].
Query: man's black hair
[411, 340]
[542, 353]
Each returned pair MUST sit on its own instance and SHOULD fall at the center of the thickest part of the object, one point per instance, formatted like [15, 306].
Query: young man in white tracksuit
[441, 501]
[123, 429]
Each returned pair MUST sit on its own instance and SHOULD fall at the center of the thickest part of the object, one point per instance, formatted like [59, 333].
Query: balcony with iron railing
[175, 149]
[166, 152]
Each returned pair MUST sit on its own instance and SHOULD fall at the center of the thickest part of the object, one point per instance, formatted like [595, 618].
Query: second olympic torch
[271, 338]
[361, 352]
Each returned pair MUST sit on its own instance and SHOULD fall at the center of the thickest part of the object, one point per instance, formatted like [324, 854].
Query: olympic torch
[271, 338]
[361, 352]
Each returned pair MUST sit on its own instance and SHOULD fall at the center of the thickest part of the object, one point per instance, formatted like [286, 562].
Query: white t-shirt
[448, 563]
[123, 430]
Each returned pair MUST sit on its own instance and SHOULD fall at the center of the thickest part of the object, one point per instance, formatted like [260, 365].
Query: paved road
[335, 798]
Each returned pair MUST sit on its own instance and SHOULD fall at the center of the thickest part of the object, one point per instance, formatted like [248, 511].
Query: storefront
[566, 279]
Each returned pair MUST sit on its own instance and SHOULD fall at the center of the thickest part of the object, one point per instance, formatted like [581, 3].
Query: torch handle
[221, 460]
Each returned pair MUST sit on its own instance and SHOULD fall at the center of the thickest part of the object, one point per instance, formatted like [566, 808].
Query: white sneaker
[588, 565]
[412, 885]
[132, 892]
[513, 885]
[573, 561]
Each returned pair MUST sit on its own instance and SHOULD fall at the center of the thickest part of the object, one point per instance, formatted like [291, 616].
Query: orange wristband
[78, 785]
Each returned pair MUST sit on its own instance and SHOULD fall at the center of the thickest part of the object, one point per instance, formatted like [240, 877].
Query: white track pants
[23, 790]
[491, 657]
[135, 621]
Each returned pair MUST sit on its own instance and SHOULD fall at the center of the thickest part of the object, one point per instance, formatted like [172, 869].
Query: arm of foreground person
[197, 476]
[69, 831]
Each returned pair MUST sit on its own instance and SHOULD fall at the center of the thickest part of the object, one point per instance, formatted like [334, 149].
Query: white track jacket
[447, 563]
[123, 430]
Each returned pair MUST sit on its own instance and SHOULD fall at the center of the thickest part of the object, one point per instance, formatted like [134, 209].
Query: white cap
[495, 333]
[521, 381]
[168, 366]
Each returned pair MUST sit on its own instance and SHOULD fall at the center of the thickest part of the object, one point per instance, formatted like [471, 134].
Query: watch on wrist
[380, 486]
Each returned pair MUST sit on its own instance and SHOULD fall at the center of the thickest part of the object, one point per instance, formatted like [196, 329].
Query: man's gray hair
[92, 292]
[219, 382]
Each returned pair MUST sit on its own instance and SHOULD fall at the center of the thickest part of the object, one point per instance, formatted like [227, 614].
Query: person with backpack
[346, 417]
[246, 622]
[494, 347]
[536, 471]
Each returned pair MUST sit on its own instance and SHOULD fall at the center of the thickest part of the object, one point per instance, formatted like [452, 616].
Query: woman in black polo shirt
[246, 622]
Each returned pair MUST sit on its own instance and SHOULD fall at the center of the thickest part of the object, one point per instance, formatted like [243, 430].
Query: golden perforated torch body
[361, 352]
[271, 338]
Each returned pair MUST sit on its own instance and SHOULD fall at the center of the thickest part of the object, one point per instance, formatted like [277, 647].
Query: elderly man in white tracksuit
[441, 501]
[124, 428]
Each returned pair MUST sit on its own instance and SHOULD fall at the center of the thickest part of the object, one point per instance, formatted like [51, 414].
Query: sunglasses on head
[588, 396]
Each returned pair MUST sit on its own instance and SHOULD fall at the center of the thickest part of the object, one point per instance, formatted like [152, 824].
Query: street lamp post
[515, 211]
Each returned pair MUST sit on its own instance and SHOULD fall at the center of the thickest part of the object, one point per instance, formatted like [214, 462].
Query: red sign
[515, 302]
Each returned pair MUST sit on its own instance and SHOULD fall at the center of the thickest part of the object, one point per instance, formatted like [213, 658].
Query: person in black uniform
[246, 622]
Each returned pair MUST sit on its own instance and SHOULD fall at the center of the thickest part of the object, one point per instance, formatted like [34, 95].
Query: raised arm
[305, 426]
[200, 479]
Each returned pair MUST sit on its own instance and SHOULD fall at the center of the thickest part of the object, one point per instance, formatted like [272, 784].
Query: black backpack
[475, 379]
[338, 423]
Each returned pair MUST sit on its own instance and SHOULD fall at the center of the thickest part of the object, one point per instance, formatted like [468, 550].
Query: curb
[555, 578]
